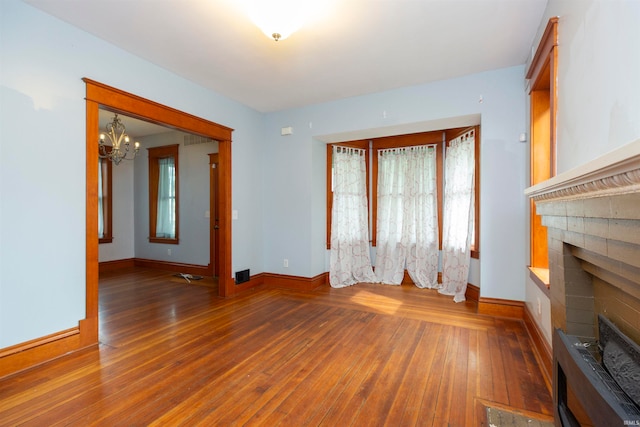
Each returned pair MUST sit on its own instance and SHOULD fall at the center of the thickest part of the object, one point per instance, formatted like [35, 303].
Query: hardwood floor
[173, 353]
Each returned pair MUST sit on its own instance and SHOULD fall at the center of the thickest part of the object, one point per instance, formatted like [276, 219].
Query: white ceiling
[363, 46]
[135, 128]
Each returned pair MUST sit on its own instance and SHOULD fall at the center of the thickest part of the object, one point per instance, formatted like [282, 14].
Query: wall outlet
[285, 263]
[169, 251]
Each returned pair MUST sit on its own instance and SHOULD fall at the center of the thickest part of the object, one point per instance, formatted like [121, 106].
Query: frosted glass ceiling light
[278, 19]
[120, 143]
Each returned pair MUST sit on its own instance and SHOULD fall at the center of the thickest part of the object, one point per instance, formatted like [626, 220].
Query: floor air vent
[242, 276]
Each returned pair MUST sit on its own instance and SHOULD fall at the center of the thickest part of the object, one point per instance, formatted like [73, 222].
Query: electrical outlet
[169, 251]
[285, 263]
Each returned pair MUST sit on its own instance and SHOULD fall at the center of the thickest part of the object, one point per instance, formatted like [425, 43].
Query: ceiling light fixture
[278, 19]
[120, 143]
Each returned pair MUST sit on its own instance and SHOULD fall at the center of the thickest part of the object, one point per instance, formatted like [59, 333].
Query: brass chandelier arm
[116, 132]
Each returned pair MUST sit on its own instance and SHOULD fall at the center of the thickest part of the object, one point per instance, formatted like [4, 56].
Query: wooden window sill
[540, 277]
[161, 240]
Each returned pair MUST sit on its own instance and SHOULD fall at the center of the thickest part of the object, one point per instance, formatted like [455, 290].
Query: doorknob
[215, 227]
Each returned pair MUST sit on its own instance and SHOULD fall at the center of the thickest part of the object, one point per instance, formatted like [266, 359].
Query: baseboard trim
[254, 281]
[542, 349]
[281, 281]
[501, 307]
[107, 266]
[472, 293]
[176, 267]
[40, 350]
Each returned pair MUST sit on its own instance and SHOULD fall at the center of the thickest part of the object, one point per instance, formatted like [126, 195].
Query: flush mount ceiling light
[120, 142]
[278, 19]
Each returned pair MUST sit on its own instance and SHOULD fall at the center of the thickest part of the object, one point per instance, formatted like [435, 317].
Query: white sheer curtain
[350, 261]
[458, 215]
[100, 199]
[166, 216]
[407, 229]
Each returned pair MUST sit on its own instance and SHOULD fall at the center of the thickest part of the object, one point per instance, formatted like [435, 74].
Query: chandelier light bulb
[116, 133]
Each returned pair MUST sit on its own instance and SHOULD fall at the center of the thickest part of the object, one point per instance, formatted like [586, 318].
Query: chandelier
[120, 144]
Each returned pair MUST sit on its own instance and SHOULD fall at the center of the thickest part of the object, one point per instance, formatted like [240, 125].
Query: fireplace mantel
[617, 172]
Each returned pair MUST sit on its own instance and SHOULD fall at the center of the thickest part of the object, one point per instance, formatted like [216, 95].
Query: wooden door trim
[99, 95]
[214, 207]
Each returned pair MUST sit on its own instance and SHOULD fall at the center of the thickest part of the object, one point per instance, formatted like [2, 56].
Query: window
[163, 195]
[542, 75]
[105, 232]
[437, 138]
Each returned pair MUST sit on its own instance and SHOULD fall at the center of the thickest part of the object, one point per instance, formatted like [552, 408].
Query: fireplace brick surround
[592, 215]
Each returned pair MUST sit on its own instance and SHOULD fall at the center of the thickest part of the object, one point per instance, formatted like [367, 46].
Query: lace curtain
[166, 218]
[458, 215]
[350, 261]
[407, 229]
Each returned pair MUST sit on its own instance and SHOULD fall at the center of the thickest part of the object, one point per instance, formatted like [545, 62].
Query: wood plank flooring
[173, 353]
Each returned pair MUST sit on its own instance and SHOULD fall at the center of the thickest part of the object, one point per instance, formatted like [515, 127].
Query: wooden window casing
[542, 75]
[438, 138]
[155, 154]
[107, 201]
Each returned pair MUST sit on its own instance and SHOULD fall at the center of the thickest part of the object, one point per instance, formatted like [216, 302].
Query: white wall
[295, 211]
[598, 86]
[42, 163]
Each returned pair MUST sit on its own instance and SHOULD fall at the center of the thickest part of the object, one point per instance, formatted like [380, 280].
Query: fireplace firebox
[606, 377]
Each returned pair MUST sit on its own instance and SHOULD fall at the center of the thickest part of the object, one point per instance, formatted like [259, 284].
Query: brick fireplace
[592, 215]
